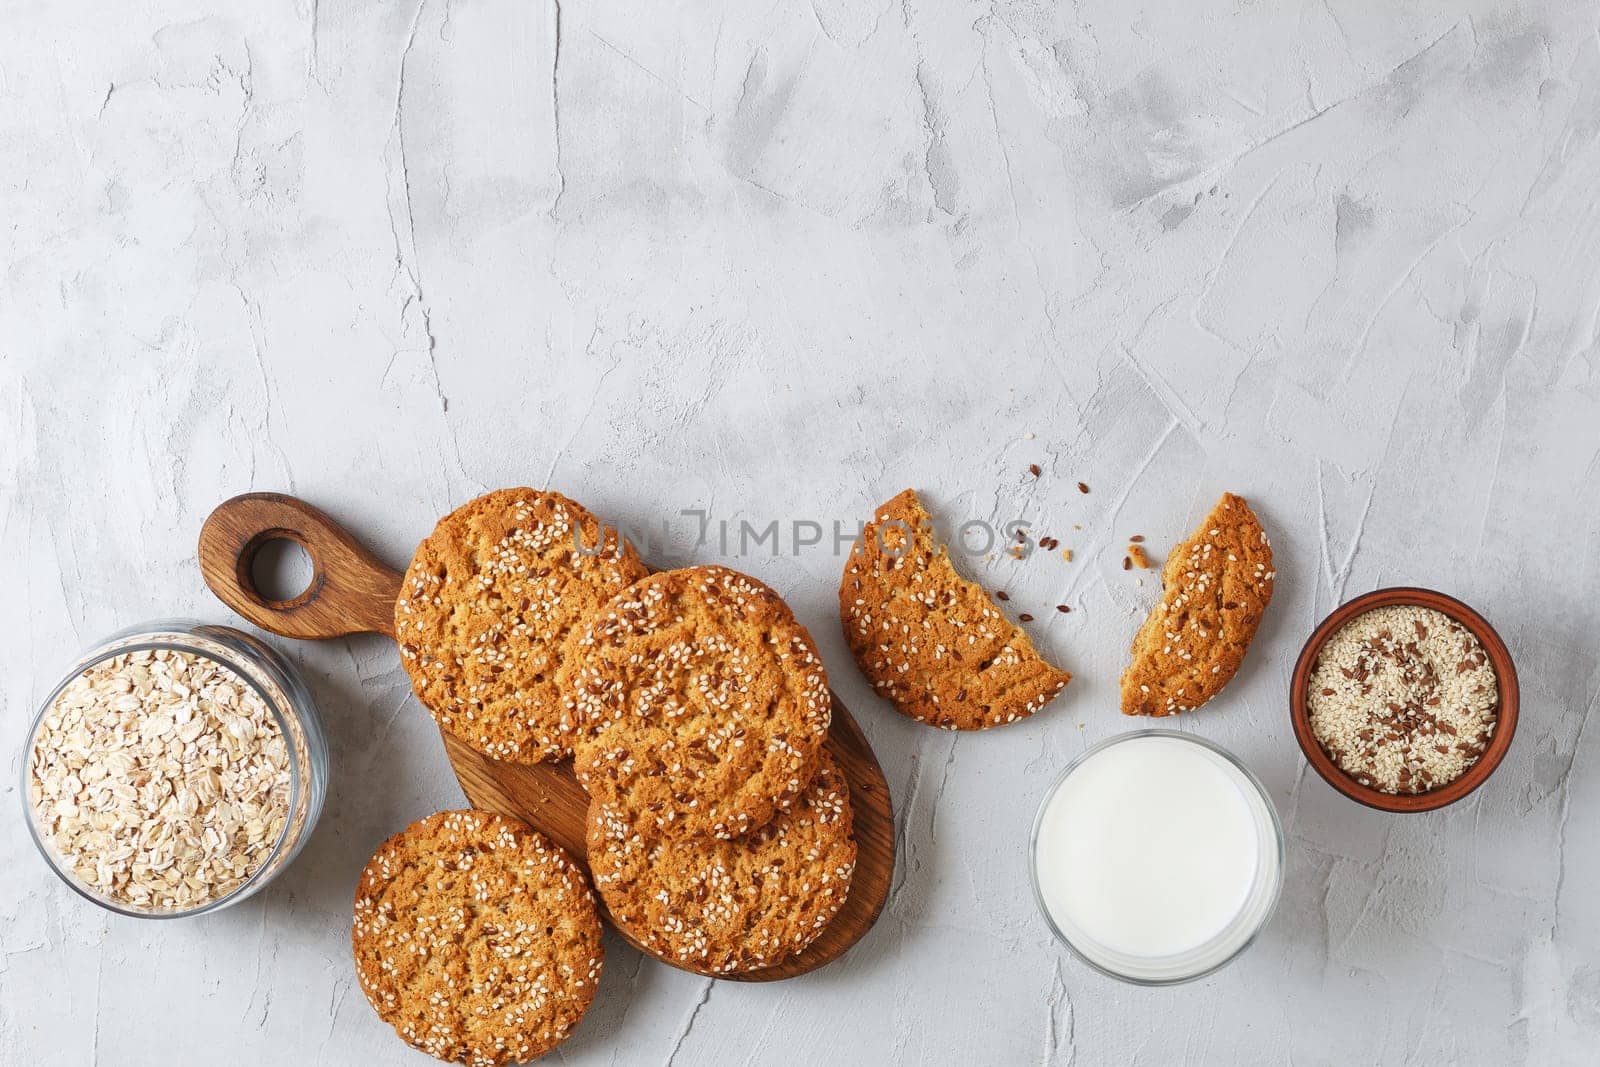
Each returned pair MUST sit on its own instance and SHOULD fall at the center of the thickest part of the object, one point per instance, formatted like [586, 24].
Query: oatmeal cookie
[930, 642]
[476, 938]
[1215, 588]
[700, 700]
[488, 602]
[726, 906]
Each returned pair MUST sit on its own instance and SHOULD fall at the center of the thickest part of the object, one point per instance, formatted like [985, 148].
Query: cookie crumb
[1136, 554]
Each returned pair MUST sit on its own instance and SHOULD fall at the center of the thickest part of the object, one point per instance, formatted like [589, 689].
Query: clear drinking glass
[292, 709]
[1260, 899]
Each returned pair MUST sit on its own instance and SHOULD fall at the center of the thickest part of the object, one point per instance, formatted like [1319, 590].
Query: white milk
[1148, 847]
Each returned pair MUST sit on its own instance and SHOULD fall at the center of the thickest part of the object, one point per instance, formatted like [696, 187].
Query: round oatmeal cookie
[488, 601]
[726, 906]
[476, 938]
[701, 702]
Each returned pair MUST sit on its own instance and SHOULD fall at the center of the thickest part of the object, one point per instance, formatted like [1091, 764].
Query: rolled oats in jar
[176, 769]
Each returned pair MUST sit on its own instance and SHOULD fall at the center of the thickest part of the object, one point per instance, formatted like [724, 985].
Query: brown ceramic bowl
[1499, 658]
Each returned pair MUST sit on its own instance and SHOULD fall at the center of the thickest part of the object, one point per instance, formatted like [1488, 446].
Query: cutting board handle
[351, 591]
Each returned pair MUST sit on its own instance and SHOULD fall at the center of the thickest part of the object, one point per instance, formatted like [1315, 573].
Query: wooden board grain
[351, 592]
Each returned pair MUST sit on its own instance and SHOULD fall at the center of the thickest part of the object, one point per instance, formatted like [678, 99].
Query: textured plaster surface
[779, 261]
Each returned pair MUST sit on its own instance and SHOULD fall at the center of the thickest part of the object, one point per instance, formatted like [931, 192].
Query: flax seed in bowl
[1404, 699]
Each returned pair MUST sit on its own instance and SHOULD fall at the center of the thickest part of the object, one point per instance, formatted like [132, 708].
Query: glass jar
[290, 707]
[1207, 826]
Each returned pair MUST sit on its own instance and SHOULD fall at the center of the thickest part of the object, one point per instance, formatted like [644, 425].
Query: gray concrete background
[779, 261]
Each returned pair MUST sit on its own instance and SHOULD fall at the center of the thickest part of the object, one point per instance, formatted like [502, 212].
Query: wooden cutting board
[352, 592]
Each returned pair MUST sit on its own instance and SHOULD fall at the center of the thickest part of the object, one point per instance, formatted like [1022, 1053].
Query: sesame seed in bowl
[1404, 699]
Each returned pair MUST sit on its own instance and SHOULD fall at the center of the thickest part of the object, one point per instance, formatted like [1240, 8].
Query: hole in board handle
[278, 571]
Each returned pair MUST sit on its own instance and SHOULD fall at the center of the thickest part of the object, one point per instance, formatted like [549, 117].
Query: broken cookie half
[930, 642]
[1215, 588]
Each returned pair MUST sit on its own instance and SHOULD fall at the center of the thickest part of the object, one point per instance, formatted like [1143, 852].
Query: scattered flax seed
[1127, 564]
[1136, 553]
[1136, 538]
[1025, 617]
[1001, 594]
[1083, 487]
[1403, 699]
[1033, 469]
[1062, 608]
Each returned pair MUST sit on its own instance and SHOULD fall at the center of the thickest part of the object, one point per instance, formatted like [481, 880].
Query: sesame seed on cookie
[932, 643]
[486, 607]
[700, 700]
[728, 906]
[476, 938]
[1215, 587]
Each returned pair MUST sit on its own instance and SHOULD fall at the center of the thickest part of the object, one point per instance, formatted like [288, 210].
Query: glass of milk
[1157, 857]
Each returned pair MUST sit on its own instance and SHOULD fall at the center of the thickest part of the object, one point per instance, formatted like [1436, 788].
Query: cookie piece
[701, 702]
[930, 642]
[726, 906]
[1214, 588]
[476, 938]
[487, 604]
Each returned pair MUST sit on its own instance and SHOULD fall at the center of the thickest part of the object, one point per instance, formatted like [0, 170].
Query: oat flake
[160, 779]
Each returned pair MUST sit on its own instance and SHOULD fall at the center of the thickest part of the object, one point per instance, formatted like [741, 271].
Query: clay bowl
[1499, 658]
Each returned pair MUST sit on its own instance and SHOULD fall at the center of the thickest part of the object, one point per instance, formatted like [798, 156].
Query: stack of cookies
[720, 832]
[695, 708]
